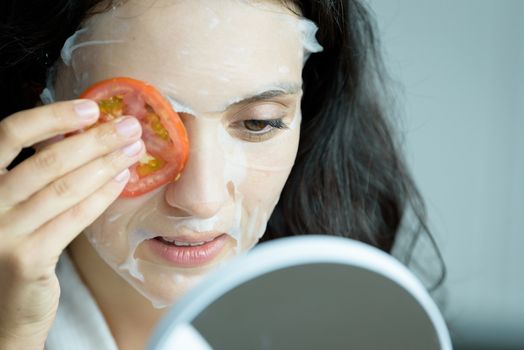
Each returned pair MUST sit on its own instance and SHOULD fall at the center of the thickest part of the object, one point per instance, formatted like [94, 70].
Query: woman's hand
[47, 200]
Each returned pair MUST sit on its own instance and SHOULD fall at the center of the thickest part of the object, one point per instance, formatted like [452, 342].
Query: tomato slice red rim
[163, 132]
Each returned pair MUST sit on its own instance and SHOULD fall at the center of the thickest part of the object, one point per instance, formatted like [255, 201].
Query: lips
[187, 251]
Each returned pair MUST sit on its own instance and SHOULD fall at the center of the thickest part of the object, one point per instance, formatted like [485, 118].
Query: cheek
[109, 233]
[266, 174]
[268, 164]
[260, 193]
[264, 180]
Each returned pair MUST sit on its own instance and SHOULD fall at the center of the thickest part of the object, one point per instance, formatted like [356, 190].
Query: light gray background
[461, 65]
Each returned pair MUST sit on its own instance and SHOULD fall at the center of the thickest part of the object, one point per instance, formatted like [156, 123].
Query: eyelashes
[258, 130]
[261, 126]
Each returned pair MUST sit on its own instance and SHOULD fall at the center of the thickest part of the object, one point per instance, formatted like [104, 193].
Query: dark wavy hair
[349, 178]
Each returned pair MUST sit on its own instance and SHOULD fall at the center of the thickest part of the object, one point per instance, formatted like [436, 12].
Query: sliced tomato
[162, 130]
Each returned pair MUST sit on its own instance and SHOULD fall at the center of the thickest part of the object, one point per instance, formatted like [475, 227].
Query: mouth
[186, 241]
[180, 243]
[187, 251]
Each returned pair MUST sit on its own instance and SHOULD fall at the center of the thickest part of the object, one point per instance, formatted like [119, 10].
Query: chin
[162, 284]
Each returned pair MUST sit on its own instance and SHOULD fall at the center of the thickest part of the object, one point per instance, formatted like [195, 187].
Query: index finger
[25, 128]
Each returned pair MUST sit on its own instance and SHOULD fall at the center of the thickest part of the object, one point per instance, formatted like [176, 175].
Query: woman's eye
[257, 130]
[262, 126]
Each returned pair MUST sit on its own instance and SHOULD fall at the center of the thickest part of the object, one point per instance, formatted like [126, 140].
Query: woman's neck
[131, 317]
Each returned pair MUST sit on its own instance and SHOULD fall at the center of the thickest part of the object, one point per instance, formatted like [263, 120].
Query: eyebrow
[280, 89]
[275, 90]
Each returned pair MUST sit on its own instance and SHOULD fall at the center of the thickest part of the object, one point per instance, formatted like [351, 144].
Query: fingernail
[123, 176]
[86, 109]
[132, 149]
[128, 127]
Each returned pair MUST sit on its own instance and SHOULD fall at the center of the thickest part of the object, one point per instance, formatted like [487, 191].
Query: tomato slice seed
[112, 107]
[154, 120]
[147, 168]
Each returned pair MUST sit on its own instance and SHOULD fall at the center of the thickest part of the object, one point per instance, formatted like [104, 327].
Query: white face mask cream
[232, 69]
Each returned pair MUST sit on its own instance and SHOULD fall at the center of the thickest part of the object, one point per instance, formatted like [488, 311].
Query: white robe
[79, 323]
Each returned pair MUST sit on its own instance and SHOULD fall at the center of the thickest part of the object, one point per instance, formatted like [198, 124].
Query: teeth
[183, 244]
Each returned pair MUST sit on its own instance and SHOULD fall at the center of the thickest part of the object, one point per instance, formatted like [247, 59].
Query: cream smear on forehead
[75, 55]
[203, 55]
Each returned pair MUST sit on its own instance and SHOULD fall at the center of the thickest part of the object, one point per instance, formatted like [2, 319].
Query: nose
[201, 190]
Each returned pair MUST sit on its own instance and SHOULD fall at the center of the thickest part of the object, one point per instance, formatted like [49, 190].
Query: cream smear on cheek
[203, 55]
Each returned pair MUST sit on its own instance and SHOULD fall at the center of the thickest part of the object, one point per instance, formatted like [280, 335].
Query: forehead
[195, 50]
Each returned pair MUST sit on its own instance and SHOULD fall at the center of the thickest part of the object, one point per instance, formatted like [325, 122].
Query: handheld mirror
[306, 292]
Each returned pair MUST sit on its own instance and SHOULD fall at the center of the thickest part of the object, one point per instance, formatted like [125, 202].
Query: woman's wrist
[18, 339]
[14, 343]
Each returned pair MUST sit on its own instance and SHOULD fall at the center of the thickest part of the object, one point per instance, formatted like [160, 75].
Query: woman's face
[230, 66]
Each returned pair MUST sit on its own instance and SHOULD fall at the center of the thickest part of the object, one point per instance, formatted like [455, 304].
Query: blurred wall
[461, 65]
